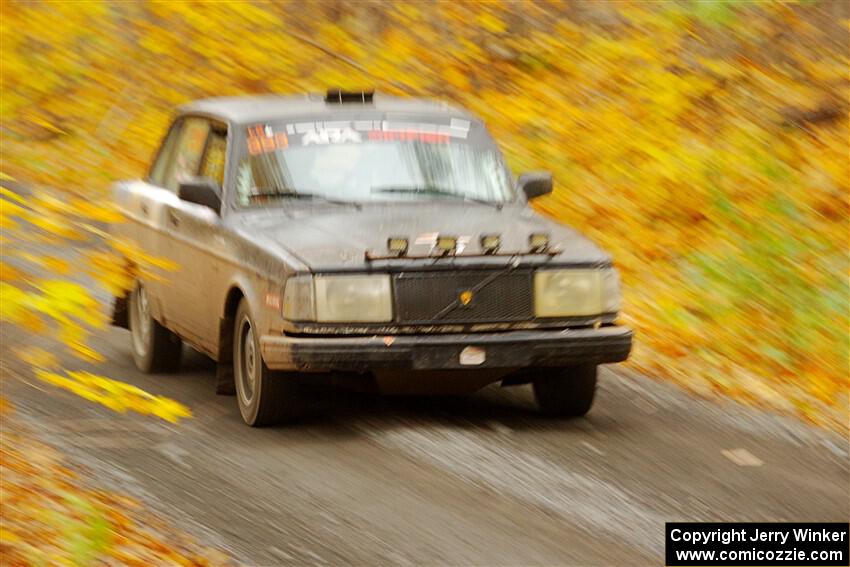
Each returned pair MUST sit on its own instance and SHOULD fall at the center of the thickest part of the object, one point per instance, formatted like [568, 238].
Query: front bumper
[513, 349]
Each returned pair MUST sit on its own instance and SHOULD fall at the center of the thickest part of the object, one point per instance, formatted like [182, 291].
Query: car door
[193, 235]
[142, 203]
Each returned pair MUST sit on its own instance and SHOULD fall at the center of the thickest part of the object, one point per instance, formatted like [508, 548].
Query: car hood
[337, 237]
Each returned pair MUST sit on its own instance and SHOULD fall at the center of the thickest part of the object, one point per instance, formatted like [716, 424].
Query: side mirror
[201, 191]
[535, 183]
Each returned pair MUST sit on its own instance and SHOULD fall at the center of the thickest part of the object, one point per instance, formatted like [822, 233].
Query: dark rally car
[374, 239]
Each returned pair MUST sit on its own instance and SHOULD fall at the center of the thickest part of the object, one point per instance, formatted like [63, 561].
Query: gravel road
[479, 480]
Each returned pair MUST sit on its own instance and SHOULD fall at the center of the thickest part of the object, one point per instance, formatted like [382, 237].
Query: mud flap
[224, 380]
[224, 384]
[119, 313]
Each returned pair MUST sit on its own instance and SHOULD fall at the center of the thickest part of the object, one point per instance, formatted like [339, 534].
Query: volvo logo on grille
[469, 296]
[465, 297]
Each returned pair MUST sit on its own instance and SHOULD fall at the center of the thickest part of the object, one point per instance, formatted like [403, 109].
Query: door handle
[173, 219]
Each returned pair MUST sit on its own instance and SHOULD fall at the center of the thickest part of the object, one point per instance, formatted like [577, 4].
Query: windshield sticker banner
[330, 136]
[356, 131]
[408, 137]
[263, 139]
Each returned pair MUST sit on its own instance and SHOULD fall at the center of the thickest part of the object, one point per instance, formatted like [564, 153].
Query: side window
[165, 155]
[212, 164]
[187, 153]
[244, 183]
[181, 153]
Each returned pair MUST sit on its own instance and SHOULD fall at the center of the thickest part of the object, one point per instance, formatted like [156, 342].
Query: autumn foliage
[50, 241]
[705, 144]
[53, 517]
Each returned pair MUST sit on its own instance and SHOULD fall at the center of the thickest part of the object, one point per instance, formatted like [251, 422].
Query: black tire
[265, 397]
[155, 348]
[565, 392]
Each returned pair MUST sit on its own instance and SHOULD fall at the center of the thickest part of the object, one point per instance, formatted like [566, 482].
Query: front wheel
[265, 397]
[155, 348]
[565, 391]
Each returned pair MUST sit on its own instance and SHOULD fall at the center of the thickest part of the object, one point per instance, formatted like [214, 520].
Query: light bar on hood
[538, 242]
[397, 245]
[490, 243]
[446, 244]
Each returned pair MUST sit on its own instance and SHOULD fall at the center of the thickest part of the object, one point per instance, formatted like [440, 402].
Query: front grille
[424, 297]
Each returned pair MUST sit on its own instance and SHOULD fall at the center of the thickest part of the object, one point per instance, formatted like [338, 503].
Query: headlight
[576, 293]
[298, 299]
[612, 293]
[339, 299]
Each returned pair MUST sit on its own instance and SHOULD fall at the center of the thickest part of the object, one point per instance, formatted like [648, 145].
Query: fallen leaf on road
[52, 517]
[742, 457]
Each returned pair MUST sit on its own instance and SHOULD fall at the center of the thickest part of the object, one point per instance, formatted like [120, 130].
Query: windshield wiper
[290, 194]
[433, 190]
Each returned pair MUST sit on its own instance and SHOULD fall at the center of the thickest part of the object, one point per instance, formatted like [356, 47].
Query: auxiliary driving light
[397, 246]
[490, 243]
[538, 242]
[446, 244]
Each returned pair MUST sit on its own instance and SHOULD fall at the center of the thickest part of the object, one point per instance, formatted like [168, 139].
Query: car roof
[265, 108]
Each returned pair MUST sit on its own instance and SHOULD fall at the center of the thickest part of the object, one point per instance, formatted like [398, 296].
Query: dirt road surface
[480, 480]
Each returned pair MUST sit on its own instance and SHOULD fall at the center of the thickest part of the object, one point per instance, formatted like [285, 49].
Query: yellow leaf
[98, 213]
[115, 395]
[57, 266]
[32, 322]
[8, 537]
[45, 124]
[38, 357]
[55, 226]
[456, 79]
[491, 22]
[12, 195]
[9, 273]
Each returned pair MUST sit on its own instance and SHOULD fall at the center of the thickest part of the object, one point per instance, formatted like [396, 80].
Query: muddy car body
[361, 236]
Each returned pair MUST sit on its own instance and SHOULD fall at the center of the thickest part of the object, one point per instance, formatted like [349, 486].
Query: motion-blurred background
[704, 143]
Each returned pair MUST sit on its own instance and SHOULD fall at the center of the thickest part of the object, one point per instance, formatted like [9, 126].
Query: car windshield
[347, 163]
